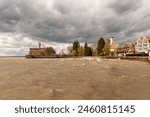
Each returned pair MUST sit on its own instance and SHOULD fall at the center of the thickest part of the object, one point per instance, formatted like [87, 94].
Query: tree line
[102, 48]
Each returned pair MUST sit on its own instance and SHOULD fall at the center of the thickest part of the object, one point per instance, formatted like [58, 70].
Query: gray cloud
[64, 21]
[125, 6]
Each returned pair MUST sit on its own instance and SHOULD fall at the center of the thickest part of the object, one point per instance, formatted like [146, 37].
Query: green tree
[89, 51]
[94, 51]
[76, 46]
[106, 48]
[81, 51]
[74, 53]
[100, 46]
[50, 51]
[85, 49]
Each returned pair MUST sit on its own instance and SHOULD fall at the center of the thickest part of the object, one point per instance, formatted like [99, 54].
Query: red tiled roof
[147, 37]
[114, 46]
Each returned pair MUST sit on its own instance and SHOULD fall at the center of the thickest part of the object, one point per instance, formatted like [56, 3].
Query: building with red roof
[142, 44]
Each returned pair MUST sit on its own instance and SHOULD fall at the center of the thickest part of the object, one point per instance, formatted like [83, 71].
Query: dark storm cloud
[125, 6]
[66, 20]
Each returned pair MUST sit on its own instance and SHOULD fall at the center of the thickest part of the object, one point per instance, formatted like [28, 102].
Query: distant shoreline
[131, 58]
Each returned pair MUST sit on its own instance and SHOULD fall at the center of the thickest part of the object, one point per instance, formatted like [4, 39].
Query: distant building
[121, 50]
[111, 40]
[131, 48]
[37, 51]
[126, 49]
[41, 51]
[113, 46]
[142, 44]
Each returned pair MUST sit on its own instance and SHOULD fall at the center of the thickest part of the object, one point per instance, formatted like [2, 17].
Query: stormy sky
[24, 23]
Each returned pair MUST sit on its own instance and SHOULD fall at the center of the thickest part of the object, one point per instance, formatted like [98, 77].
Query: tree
[100, 46]
[85, 49]
[74, 53]
[81, 51]
[89, 51]
[50, 51]
[62, 52]
[106, 48]
[69, 50]
[94, 51]
[76, 46]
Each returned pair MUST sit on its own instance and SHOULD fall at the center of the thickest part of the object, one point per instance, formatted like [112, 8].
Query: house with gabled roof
[142, 44]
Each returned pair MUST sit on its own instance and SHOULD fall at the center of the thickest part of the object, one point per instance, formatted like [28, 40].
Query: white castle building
[142, 44]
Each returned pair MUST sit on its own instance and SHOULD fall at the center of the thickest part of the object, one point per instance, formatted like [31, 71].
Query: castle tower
[111, 40]
[39, 44]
